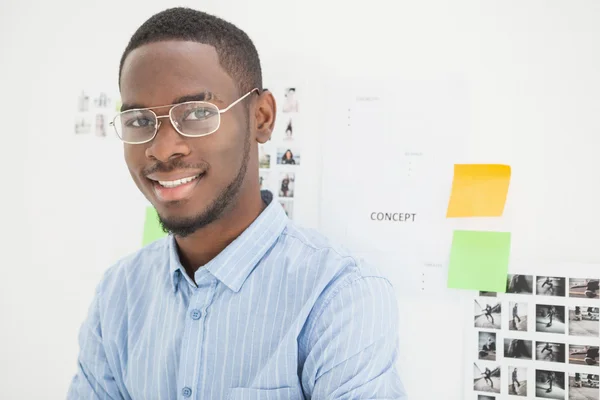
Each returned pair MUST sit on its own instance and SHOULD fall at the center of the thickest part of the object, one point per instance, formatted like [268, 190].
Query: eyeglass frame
[158, 121]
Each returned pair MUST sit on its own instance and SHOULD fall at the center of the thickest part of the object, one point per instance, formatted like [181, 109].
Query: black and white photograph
[288, 207]
[286, 184]
[517, 381]
[487, 346]
[550, 318]
[486, 377]
[288, 156]
[485, 397]
[290, 103]
[83, 102]
[583, 321]
[519, 284]
[550, 384]
[518, 316]
[583, 386]
[518, 348]
[550, 352]
[583, 288]
[583, 355]
[264, 158]
[488, 313]
[550, 286]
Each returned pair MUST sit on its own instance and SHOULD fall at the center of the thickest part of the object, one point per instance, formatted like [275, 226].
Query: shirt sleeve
[94, 379]
[352, 346]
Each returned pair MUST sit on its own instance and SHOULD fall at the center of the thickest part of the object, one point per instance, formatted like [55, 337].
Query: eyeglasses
[190, 119]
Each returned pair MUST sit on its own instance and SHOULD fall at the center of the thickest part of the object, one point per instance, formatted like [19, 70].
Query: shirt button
[187, 392]
[196, 314]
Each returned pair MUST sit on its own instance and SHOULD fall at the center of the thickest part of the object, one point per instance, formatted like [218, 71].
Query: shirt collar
[235, 263]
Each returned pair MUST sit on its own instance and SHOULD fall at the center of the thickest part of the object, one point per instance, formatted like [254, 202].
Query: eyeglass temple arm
[238, 100]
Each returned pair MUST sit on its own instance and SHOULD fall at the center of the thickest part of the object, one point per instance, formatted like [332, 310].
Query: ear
[264, 116]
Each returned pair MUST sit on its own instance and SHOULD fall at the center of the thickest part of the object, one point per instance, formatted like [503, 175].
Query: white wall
[70, 206]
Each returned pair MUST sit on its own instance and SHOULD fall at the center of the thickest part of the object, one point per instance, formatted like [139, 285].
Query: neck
[205, 244]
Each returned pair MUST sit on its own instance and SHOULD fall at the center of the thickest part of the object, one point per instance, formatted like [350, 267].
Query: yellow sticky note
[479, 190]
[152, 228]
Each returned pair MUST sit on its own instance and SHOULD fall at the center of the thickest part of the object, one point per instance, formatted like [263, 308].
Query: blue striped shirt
[279, 314]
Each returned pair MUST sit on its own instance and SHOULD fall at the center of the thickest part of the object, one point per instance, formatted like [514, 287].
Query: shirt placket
[190, 366]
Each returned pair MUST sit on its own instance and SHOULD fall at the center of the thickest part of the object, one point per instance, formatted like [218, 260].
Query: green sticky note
[152, 228]
[479, 261]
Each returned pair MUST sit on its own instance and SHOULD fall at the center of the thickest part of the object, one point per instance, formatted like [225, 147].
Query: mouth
[175, 190]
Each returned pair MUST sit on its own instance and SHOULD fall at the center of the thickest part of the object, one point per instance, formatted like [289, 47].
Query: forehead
[158, 73]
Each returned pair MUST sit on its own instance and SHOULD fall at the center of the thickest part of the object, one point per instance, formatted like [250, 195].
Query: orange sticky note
[479, 190]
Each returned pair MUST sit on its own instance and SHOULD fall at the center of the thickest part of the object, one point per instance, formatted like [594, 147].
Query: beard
[184, 227]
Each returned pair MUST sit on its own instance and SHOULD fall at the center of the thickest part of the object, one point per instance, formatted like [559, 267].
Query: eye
[199, 113]
[139, 123]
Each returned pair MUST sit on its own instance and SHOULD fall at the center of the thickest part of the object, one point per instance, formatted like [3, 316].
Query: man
[488, 313]
[237, 302]
[515, 314]
[548, 282]
[515, 381]
[551, 313]
[550, 350]
[488, 377]
[551, 379]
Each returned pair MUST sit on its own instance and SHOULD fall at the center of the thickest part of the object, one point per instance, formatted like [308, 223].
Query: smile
[176, 190]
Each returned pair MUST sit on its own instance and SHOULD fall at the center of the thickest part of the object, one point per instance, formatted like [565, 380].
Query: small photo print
[288, 207]
[288, 134]
[486, 377]
[287, 156]
[518, 348]
[583, 321]
[290, 103]
[550, 286]
[519, 284]
[488, 313]
[550, 384]
[484, 397]
[517, 383]
[83, 102]
[101, 125]
[583, 386]
[550, 352]
[488, 294]
[102, 100]
[583, 288]
[83, 124]
[487, 346]
[264, 158]
[263, 180]
[583, 355]
[286, 184]
[550, 318]
[518, 316]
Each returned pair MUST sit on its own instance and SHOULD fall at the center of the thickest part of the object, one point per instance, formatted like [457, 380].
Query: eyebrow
[202, 96]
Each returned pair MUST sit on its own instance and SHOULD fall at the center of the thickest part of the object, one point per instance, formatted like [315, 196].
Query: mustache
[176, 164]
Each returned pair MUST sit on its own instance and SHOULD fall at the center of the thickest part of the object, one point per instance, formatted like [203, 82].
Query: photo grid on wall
[538, 340]
[94, 112]
[280, 159]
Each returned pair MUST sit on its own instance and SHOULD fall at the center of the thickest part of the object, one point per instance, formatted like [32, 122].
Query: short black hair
[237, 54]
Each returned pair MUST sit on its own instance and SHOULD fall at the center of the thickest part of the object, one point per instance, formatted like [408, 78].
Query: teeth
[172, 184]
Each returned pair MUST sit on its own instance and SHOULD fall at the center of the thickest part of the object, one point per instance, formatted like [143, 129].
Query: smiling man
[237, 302]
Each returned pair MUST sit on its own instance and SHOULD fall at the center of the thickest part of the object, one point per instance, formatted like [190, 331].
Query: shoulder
[338, 273]
[124, 273]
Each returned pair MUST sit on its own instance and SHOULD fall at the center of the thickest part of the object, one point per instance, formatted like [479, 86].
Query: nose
[167, 143]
